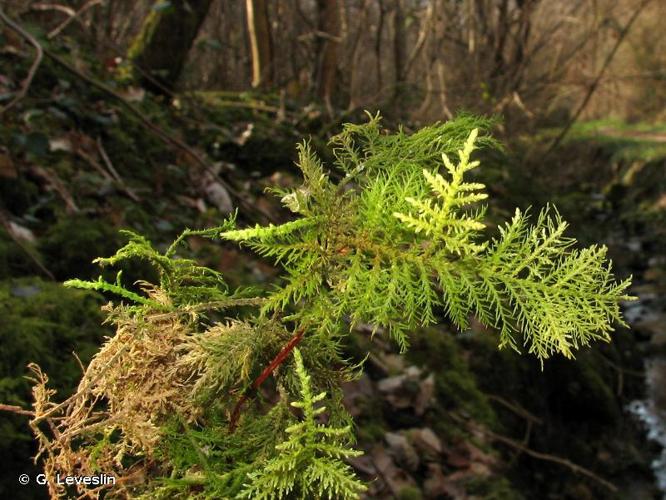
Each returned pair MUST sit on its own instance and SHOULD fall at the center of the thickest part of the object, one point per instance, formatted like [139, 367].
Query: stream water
[648, 314]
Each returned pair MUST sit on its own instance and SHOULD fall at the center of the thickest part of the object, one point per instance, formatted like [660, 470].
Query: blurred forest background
[161, 115]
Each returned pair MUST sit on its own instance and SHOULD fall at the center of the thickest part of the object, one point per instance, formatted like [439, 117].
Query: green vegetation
[622, 141]
[177, 395]
[44, 323]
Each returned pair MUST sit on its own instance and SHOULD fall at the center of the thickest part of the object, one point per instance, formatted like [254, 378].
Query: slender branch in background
[5, 223]
[107, 161]
[75, 15]
[535, 454]
[39, 54]
[41, 6]
[378, 45]
[425, 28]
[593, 86]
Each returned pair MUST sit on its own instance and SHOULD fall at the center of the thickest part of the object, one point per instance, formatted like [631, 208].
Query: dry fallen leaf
[7, 168]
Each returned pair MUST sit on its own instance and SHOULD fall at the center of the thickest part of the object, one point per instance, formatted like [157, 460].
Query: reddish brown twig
[16, 409]
[277, 361]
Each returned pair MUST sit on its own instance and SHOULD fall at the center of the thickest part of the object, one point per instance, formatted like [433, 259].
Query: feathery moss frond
[398, 239]
[405, 235]
[309, 463]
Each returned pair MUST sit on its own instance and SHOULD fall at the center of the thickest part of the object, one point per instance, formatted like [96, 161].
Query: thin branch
[420, 41]
[82, 391]
[277, 361]
[593, 86]
[515, 408]
[73, 16]
[39, 55]
[16, 409]
[114, 172]
[536, 454]
[41, 6]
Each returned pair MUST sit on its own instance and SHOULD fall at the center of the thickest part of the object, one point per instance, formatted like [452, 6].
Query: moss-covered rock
[73, 242]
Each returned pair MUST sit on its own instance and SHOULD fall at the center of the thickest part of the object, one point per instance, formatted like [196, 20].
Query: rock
[20, 232]
[425, 395]
[478, 456]
[651, 325]
[391, 384]
[634, 245]
[394, 477]
[217, 194]
[393, 363]
[402, 450]
[363, 464]
[437, 485]
[25, 291]
[355, 392]
[457, 459]
[479, 469]
[426, 442]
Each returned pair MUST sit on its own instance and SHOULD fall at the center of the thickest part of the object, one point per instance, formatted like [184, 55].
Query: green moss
[13, 260]
[139, 43]
[410, 493]
[41, 322]
[73, 242]
[371, 431]
[44, 322]
[492, 488]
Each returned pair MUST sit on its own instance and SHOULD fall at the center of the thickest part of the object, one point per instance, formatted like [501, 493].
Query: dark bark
[399, 44]
[327, 49]
[164, 41]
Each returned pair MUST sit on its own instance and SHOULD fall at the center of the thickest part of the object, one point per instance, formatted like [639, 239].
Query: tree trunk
[161, 47]
[399, 44]
[261, 44]
[327, 50]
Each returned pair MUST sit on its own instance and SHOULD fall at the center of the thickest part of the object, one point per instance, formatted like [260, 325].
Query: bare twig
[74, 15]
[420, 41]
[4, 222]
[50, 177]
[16, 409]
[39, 54]
[42, 6]
[114, 172]
[593, 86]
[83, 390]
[536, 454]
[94, 163]
[515, 408]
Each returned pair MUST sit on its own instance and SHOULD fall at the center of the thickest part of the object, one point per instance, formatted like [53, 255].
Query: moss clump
[13, 260]
[72, 244]
[410, 493]
[492, 488]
